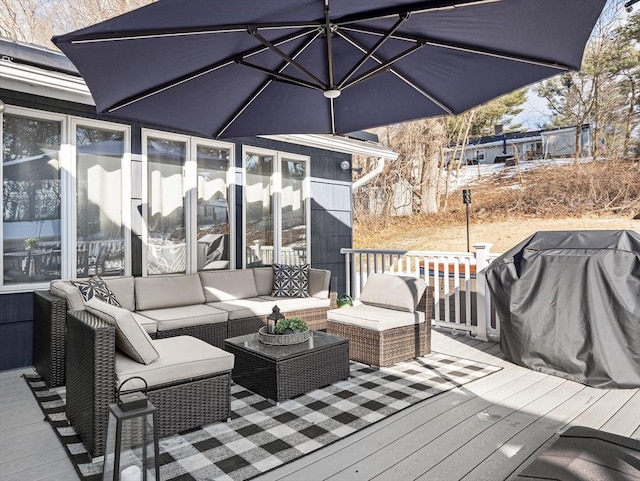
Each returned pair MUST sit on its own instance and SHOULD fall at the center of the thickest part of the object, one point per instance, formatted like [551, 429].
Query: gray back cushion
[168, 291]
[69, 292]
[131, 338]
[319, 281]
[123, 289]
[264, 280]
[393, 292]
[228, 285]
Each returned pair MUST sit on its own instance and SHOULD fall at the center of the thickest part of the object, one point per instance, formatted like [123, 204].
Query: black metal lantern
[275, 316]
[132, 438]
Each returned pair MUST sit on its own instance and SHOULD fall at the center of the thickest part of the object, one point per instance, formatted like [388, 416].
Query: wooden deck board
[525, 444]
[394, 442]
[487, 430]
[29, 448]
[501, 435]
[619, 422]
[435, 452]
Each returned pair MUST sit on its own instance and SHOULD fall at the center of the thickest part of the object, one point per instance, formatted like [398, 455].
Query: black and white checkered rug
[262, 436]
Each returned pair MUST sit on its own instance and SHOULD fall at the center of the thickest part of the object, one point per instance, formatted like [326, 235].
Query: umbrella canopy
[228, 68]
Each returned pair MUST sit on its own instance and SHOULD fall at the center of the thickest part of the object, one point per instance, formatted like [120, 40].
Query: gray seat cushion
[185, 316]
[181, 358]
[297, 303]
[241, 308]
[375, 318]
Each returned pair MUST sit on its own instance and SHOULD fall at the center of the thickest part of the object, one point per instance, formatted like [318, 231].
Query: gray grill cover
[569, 305]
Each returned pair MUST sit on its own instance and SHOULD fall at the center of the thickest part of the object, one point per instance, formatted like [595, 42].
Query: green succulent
[295, 324]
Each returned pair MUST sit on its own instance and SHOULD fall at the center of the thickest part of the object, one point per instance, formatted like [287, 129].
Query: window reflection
[31, 199]
[213, 208]
[294, 216]
[286, 220]
[100, 235]
[259, 221]
[166, 242]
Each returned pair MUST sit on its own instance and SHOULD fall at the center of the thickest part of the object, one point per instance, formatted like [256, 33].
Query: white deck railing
[461, 298]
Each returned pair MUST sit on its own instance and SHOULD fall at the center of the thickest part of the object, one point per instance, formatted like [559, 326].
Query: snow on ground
[469, 174]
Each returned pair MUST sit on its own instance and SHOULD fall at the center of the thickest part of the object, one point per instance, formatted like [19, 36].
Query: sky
[535, 113]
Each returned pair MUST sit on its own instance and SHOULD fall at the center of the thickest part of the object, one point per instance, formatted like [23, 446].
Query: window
[100, 234]
[213, 226]
[166, 231]
[188, 188]
[276, 208]
[294, 212]
[31, 198]
[64, 183]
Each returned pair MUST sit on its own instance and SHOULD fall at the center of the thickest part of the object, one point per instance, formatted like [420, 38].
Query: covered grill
[569, 305]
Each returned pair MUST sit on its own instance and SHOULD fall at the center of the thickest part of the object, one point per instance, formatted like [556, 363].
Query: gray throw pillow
[290, 281]
[96, 287]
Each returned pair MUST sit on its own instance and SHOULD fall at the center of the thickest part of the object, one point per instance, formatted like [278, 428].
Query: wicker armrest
[426, 303]
[91, 348]
[49, 336]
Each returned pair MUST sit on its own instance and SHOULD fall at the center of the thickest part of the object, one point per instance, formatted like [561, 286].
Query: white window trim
[276, 196]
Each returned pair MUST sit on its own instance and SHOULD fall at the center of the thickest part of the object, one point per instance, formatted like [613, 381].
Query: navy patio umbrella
[230, 68]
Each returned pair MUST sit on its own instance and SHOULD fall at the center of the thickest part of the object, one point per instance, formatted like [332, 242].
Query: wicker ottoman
[384, 348]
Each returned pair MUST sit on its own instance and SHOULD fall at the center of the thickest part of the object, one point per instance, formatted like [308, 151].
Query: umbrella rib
[417, 8]
[398, 74]
[254, 32]
[379, 43]
[182, 32]
[262, 87]
[203, 71]
[384, 66]
[281, 76]
[464, 48]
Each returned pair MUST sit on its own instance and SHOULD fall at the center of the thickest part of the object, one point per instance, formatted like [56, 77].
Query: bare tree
[36, 21]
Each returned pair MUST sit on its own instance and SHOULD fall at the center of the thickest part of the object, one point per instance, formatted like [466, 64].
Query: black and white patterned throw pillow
[290, 281]
[96, 287]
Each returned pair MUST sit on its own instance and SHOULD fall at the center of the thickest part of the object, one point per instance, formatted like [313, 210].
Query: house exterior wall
[330, 222]
[536, 145]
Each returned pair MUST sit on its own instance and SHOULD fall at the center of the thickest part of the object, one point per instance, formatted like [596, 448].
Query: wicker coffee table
[282, 372]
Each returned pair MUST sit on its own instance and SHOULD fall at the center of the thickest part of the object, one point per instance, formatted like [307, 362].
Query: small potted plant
[286, 331]
[290, 326]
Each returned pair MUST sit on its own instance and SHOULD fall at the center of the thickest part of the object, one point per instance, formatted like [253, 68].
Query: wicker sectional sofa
[168, 330]
[210, 305]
